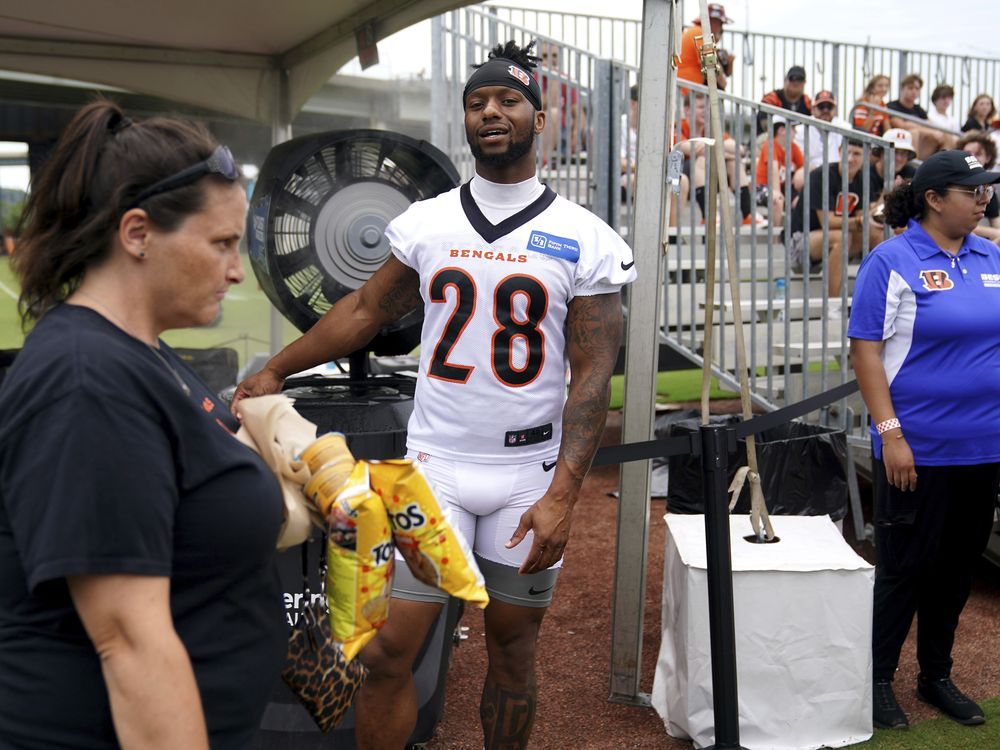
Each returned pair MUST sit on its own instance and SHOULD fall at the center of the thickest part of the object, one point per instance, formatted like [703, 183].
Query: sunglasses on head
[220, 162]
[979, 192]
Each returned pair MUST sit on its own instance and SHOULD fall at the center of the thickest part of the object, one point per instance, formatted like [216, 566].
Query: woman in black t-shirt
[981, 114]
[139, 599]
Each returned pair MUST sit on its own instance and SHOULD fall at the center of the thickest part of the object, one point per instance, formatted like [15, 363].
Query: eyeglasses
[220, 162]
[796, 79]
[979, 192]
[823, 106]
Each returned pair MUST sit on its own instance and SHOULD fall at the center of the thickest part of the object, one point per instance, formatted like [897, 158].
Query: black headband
[499, 71]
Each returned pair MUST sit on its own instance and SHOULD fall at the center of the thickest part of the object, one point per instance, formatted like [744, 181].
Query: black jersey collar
[493, 232]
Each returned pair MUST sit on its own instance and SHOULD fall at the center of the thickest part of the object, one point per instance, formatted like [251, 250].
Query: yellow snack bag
[331, 463]
[433, 547]
[359, 558]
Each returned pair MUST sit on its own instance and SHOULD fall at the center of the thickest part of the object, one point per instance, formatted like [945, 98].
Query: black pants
[927, 542]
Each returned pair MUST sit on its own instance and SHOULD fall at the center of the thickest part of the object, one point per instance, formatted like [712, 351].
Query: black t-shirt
[107, 467]
[972, 124]
[836, 198]
[915, 111]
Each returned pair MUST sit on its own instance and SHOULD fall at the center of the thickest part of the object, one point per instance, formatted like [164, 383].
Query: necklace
[156, 352]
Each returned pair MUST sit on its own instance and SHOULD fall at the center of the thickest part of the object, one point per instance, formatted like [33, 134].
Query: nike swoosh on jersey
[626, 266]
[548, 466]
[542, 591]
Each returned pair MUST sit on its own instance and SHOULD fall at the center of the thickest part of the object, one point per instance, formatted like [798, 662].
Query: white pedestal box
[803, 614]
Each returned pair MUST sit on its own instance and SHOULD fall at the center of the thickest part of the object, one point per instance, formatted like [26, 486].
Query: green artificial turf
[941, 733]
[672, 387]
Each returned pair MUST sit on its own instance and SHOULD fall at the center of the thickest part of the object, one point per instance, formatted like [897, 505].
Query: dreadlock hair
[511, 51]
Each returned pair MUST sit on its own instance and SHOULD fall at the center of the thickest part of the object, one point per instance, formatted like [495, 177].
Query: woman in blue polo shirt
[925, 345]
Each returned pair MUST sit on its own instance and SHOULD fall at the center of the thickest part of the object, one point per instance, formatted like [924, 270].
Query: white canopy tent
[255, 59]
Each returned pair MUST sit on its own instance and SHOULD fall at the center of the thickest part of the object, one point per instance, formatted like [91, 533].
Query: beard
[514, 152]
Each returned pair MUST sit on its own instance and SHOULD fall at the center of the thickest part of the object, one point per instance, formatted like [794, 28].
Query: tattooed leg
[507, 709]
[507, 715]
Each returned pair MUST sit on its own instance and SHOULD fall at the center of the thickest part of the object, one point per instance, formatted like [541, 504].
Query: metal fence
[763, 59]
[795, 348]
[568, 76]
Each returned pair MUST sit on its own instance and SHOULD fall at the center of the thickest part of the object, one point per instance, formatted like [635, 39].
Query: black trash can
[803, 469]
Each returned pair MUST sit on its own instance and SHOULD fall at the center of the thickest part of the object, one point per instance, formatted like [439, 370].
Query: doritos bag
[359, 557]
[330, 463]
[434, 548]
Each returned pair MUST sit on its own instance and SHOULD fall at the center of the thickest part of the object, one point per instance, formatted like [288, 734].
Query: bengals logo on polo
[936, 281]
[519, 74]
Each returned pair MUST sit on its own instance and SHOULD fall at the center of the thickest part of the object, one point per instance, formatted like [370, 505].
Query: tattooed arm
[593, 335]
[391, 292]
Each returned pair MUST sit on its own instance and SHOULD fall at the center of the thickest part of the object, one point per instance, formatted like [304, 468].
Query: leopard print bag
[315, 669]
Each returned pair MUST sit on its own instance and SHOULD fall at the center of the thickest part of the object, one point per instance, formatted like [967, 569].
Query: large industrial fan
[318, 216]
[316, 233]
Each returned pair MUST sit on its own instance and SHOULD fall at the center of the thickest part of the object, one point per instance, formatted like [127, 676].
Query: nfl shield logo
[422, 457]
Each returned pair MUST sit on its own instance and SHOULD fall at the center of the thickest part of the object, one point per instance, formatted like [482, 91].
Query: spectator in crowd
[981, 114]
[866, 118]
[692, 125]
[941, 99]
[926, 140]
[561, 139]
[904, 166]
[807, 232]
[981, 146]
[629, 142]
[771, 173]
[139, 598]
[904, 148]
[824, 107]
[689, 68]
[924, 313]
[791, 96]
[994, 133]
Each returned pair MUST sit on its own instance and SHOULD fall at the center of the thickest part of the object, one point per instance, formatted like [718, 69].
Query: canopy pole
[656, 107]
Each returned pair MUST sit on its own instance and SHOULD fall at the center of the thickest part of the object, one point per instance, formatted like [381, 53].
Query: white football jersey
[492, 380]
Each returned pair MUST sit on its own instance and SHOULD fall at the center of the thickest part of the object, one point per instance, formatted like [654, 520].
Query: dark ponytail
[903, 204]
[101, 163]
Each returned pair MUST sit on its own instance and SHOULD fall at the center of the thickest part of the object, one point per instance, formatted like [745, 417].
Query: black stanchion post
[715, 465]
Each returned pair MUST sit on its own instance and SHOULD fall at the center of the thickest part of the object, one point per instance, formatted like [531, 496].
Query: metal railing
[763, 59]
[794, 349]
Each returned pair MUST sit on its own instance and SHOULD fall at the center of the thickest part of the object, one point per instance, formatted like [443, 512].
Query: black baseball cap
[796, 71]
[951, 168]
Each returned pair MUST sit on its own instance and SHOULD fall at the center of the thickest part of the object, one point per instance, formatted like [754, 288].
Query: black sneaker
[953, 702]
[886, 713]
